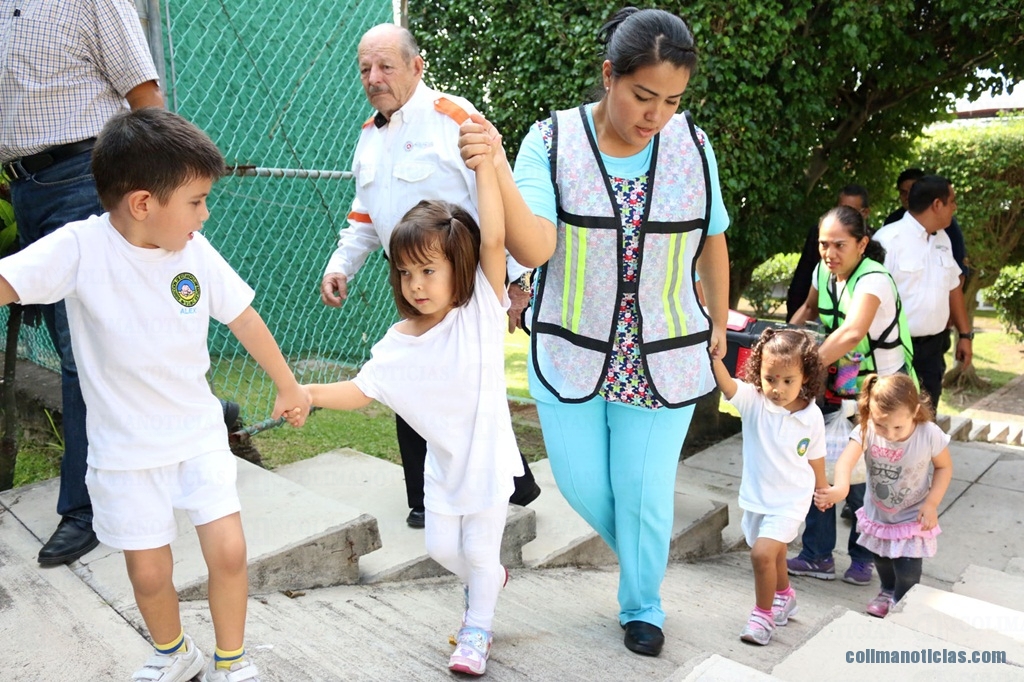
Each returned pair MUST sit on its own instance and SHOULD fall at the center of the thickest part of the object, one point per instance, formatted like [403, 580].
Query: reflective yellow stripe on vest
[572, 287]
[675, 317]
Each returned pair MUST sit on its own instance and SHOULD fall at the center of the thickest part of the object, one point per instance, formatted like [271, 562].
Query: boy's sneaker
[759, 629]
[880, 605]
[181, 666]
[472, 646]
[823, 570]
[858, 573]
[783, 608]
[240, 671]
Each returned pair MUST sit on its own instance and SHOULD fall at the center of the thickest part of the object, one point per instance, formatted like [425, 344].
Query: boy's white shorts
[135, 509]
[771, 526]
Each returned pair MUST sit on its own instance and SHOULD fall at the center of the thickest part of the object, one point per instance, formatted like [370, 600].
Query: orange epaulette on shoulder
[451, 110]
[369, 122]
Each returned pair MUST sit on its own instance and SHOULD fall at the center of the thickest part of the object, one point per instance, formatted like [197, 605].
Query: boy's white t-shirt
[449, 385]
[777, 444]
[139, 320]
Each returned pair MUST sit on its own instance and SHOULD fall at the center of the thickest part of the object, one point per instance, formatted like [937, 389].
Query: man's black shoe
[68, 543]
[643, 638]
[524, 497]
[231, 412]
[417, 518]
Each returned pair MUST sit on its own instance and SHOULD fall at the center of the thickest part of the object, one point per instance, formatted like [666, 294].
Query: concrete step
[715, 473]
[850, 645]
[565, 539]
[962, 620]
[295, 540]
[992, 586]
[377, 486]
[53, 626]
[715, 668]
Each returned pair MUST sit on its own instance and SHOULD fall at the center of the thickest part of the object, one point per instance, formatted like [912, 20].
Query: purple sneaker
[858, 574]
[823, 570]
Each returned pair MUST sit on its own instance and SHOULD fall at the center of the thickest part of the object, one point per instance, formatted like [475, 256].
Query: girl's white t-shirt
[139, 321]
[449, 385]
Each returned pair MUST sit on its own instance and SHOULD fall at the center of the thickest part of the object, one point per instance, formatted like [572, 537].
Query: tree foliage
[798, 98]
[985, 162]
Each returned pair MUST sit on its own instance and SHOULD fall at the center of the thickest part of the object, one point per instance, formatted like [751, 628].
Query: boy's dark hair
[154, 150]
[435, 226]
[787, 343]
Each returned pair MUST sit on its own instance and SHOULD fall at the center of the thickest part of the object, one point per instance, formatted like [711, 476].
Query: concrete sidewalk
[552, 624]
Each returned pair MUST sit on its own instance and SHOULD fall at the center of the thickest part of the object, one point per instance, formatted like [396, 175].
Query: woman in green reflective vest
[856, 299]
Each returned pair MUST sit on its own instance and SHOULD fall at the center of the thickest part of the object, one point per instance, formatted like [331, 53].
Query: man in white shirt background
[919, 255]
[406, 153]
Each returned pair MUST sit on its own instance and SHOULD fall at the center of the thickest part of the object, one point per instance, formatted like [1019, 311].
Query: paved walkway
[552, 624]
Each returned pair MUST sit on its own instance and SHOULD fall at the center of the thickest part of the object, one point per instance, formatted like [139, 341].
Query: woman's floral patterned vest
[580, 287]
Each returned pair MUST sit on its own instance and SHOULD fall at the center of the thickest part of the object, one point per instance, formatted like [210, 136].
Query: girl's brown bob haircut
[435, 227]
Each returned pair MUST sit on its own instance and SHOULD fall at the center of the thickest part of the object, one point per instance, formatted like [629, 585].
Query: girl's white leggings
[470, 547]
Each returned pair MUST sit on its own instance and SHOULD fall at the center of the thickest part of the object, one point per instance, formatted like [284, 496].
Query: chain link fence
[275, 85]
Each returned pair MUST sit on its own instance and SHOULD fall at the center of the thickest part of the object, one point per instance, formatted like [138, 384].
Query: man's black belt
[19, 169]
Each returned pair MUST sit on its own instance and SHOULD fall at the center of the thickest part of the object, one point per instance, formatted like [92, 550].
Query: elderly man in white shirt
[920, 257]
[407, 152]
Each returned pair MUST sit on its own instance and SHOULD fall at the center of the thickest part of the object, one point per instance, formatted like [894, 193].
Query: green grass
[997, 360]
[516, 347]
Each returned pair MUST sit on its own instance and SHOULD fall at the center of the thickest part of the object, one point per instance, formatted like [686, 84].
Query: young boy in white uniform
[141, 284]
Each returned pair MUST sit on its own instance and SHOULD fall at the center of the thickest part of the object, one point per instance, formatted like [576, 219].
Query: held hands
[826, 498]
[928, 516]
[293, 404]
[717, 343]
[479, 140]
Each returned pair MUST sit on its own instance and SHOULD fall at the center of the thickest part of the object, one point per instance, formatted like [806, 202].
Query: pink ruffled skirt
[895, 540]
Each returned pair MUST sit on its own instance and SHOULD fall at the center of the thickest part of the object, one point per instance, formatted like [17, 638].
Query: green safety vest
[832, 308]
[580, 288]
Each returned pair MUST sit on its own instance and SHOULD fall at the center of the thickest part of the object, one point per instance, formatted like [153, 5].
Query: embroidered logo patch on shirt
[185, 289]
[801, 447]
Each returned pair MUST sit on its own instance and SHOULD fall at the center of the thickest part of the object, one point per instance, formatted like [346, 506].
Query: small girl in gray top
[899, 521]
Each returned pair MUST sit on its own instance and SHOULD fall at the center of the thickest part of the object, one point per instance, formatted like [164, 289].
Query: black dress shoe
[528, 494]
[643, 638]
[417, 518]
[68, 543]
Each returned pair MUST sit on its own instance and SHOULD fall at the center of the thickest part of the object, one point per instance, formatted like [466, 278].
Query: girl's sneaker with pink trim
[880, 605]
[472, 647]
[783, 608]
[759, 629]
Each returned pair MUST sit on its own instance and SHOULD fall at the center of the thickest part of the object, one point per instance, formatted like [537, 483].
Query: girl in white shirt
[441, 368]
[783, 462]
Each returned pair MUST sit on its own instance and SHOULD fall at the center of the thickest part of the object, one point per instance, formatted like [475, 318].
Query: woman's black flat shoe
[643, 638]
